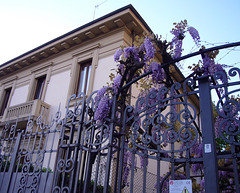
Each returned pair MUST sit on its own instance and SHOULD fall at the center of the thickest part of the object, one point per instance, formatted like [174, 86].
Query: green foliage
[19, 168]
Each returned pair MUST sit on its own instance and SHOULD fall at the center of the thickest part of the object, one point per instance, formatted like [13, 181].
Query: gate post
[208, 139]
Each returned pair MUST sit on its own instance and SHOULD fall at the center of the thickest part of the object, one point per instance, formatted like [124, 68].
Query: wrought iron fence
[28, 155]
[167, 134]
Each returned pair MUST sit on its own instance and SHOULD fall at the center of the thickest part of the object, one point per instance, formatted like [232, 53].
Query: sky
[27, 24]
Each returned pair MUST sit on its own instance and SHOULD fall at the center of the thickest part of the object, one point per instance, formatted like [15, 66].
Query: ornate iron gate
[137, 148]
[27, 155]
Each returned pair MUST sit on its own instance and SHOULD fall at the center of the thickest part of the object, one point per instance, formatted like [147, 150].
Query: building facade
[80, 60]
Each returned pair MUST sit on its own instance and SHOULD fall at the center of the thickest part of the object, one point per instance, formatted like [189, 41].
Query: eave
[124, 17]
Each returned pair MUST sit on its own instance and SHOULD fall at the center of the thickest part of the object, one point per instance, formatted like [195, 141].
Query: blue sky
[27, 24]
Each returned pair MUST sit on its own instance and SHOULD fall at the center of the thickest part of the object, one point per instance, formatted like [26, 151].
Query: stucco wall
[57, 90]
[105, 67]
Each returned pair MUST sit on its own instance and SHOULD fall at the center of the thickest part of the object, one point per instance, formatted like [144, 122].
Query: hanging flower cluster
[131, 61]
[197, 152]
[208, 64]
[143, 53]
[195, 35]
[127, 164]
[158, 74]
[103, 108]
[179, 34]
[176, 43]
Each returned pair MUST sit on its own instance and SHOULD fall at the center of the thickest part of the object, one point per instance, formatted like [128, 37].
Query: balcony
[22, 111]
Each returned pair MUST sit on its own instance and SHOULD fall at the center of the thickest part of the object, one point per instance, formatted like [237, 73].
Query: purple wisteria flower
[207, 62]
[100, 94]
[195, 167]
[125, 175]
[103, 108]
[197, 149]
[127, 164]
[177, 41]
[158, 74]
[130, 161]
[126, 157]
[128, 51]
[131, 50]
[117, 83]
[216, 68]
[217, 125]
[197, 152]
[141, 48]
[179, 176]
[121, 68]
[210, 67]
[149, 48]
[195, 35]
[223, 174]
[117, 55]
[178, 33]
[178, 49]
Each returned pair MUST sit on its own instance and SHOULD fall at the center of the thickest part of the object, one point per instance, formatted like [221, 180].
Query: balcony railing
[22, 111]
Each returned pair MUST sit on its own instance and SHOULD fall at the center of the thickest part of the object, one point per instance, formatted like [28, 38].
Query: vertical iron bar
[116, 163]
[82, 155]
[235, 169]
[187, 164]
[145, 171]
[158, 169]
[172, 162]
[132, 170]
[109, 155]
[70, 150]
[209, 146]
[58, 156]
[121, 158]
[98, 159]
[89, 163]
[50, 154]
[121, 150]
[77, 148]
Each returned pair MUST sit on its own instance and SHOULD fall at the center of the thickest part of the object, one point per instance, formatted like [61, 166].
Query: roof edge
[129, 6]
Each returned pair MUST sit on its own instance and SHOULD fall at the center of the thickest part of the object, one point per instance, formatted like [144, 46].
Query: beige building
[80, 60]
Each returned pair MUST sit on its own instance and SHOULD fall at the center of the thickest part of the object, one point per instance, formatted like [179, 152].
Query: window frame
[86, 77]
[37, 73]
[88, 53]
[39, 87]
[5, 101]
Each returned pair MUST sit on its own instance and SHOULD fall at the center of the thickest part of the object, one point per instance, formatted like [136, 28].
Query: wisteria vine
[139, 59]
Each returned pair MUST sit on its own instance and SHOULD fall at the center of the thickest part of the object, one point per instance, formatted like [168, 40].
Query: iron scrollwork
[154, 126]
[228, 108]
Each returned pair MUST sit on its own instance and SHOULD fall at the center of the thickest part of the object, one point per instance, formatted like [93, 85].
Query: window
[39, 87]
[6, 97]
[84, 77]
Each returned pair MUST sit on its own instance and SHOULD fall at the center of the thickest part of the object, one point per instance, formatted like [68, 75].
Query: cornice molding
[86, 49]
